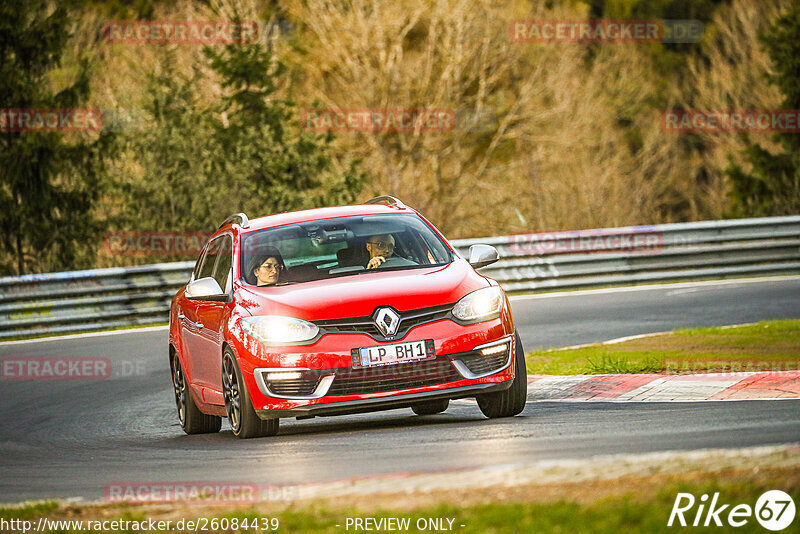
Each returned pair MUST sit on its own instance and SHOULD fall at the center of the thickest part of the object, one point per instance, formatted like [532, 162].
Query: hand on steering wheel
[375, 262]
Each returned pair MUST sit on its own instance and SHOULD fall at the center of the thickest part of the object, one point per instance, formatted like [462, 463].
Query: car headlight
[278, 330]
[480, 305]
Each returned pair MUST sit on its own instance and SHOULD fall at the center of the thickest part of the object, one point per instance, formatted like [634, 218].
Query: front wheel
[510, 402]
[192, 420]
[241, 415]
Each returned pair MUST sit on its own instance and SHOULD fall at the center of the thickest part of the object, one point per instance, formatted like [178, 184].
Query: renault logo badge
[387, 320]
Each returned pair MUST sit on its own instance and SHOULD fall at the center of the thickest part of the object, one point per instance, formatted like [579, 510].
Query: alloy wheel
[179, 385]
[230, 391]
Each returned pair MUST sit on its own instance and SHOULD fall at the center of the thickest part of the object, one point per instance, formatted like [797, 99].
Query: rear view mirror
[482, 255]
[205, 289]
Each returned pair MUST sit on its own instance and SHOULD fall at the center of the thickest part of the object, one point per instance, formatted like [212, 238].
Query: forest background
[547, 136]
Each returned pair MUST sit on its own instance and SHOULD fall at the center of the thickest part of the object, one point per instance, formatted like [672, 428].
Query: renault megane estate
[336, 311]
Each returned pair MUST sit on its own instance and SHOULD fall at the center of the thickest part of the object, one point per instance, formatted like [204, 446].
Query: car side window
[434, 251]
[198, 264]
[222, 271]
[209, 259]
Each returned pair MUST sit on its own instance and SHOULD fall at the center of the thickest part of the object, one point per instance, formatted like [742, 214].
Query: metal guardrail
[666, 252]
[77, 301]
[100, 298]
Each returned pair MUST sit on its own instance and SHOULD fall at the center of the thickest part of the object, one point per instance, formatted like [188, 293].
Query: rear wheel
[241, 415]
[431, 407]
[510, 402]
[192, 420]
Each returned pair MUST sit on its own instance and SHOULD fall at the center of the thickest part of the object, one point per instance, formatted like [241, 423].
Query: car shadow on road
[401, 419]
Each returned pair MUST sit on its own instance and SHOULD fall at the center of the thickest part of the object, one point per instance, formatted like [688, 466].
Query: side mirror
[482, 255]
[205, 289]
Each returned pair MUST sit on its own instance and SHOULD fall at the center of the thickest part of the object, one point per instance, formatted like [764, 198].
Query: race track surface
[70, 438]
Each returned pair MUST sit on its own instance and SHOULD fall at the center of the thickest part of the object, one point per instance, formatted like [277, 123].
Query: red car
[337, 311]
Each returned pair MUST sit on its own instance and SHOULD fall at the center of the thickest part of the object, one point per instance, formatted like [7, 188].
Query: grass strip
[766, 346]
[634, 505]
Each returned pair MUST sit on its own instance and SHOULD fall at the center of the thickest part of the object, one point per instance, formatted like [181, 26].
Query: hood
[358, 295]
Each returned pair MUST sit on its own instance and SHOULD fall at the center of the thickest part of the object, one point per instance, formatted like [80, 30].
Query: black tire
[431, 407]
[510, 402]
[192, 420]
[241, 415]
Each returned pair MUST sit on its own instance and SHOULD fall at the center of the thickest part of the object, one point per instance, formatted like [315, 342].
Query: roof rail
[388, 200]
[237, 218]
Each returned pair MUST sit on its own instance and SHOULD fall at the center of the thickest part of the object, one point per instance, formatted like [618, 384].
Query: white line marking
[610, 341]
[638, 336]
[685, 291]
[87, 334]
[631, 338]
[665, 286]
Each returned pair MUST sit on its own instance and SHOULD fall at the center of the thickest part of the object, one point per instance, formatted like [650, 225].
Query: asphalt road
[70, 438]
[580, 317]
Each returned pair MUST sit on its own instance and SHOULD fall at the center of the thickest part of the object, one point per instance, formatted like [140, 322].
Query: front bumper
[385, 403]
[311, 384]
[329, 384]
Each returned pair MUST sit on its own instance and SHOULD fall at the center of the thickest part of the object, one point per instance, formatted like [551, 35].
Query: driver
[268, 267]
[380, 247]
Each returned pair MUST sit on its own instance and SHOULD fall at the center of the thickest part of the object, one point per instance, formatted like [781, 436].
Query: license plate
[395, 353]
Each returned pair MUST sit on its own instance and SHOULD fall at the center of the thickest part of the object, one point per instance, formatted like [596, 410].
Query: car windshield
[343, 246]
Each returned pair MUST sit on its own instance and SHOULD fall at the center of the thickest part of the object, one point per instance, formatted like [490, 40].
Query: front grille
[300, 387]
[364, 328]
[479, 364]
[365, 325]
[351, 381]
[410, 320]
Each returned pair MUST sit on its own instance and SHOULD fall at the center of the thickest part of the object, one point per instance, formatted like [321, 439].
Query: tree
[772, 185]
[49, 180]
[161, 180]
[280, 167]
[200, 161]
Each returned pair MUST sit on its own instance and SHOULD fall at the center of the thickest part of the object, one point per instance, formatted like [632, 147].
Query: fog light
[496, 349]
[284, 375]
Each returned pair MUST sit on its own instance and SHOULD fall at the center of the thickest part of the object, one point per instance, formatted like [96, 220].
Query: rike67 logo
[774, 510]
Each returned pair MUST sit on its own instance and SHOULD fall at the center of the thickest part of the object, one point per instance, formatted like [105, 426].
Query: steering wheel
[397, 261]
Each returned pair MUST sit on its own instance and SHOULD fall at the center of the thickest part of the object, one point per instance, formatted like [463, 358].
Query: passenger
[268, 266]
[380, 247]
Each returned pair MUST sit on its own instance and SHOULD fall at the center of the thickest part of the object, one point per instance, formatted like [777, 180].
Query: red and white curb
[652, 387]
